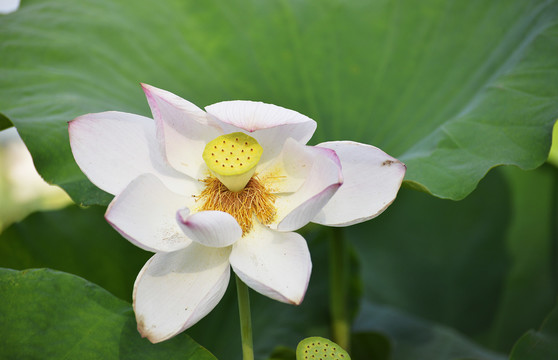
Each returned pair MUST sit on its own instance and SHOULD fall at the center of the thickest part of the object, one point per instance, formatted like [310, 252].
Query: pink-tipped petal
[269, 124]
[183, 129]
[209, 228]
[275, 264]
[322, 177]
[113, 148]
[372, 179]
[175, 290]
[144, 213]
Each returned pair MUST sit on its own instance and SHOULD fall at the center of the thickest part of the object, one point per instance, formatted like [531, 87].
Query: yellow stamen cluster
[253, 200]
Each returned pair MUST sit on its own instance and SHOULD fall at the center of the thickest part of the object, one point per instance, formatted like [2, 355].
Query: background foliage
[452, 88]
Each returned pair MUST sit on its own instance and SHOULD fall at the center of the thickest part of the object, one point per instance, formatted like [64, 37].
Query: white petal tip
[372, 179]
[209, 228]
[182, 215]
[145, 333]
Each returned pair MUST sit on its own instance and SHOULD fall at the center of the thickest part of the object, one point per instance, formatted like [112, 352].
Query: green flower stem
[245, 319]
[338, 289]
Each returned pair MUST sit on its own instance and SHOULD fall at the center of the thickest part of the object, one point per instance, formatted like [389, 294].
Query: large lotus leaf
[47, 314]
[74, 240]
[453, 88]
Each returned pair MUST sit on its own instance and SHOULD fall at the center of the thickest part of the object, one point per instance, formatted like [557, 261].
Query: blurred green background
[452, 88]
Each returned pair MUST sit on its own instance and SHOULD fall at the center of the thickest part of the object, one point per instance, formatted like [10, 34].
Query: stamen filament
[254, 200]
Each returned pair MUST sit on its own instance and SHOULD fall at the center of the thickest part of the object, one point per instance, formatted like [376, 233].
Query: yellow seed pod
[315, 348]
[232, 158]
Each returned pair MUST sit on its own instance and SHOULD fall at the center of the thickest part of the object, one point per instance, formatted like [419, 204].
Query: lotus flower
[225, 187]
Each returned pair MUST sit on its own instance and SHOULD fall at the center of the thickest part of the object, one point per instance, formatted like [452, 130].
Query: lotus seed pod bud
[232, 159]
[314, 348]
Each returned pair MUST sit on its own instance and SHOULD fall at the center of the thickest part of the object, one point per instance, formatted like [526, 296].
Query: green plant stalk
[245, 319]
[338, 262]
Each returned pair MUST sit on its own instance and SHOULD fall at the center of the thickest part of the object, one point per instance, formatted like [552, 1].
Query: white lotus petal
[372, 179]
[183, 129]
[275, 264]
[209, 228]
[144, 213]
[289, 170]
[175, 290]
[113, 148]
[269, 124]
[322, 173]
[8, 6]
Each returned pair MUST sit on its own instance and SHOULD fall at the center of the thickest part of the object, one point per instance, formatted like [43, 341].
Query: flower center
[232, 159]
[253, 200]
[233, 188]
